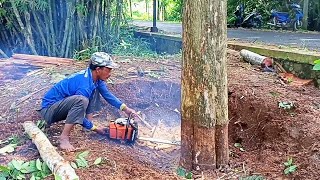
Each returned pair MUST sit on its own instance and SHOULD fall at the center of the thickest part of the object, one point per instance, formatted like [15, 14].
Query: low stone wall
[161, 43]
[295, 61]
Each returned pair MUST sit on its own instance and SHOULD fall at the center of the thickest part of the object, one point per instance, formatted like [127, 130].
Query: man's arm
[113, 100]
[90, 126]
[109, 97]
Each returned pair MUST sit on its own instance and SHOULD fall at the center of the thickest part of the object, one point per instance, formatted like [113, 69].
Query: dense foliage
[58, 28]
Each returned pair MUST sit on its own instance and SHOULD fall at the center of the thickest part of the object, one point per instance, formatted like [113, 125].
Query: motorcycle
[283, 19]
[252, 20]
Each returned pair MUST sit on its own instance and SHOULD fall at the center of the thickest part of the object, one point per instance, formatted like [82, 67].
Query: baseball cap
[103, 59]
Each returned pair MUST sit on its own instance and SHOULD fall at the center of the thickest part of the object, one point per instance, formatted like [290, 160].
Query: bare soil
[268, 134]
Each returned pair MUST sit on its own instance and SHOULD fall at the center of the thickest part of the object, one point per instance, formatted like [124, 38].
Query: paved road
[302, 40]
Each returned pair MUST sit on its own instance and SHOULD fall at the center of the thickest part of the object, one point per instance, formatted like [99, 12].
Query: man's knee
[80, 100]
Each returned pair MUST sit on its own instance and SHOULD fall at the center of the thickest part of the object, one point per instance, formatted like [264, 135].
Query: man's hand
[130, 112]
[101, 130]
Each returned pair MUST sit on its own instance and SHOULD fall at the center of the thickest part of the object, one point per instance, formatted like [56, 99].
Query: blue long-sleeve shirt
[80, 83]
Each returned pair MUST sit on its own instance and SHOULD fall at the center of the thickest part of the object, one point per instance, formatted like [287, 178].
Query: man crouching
[75, 98]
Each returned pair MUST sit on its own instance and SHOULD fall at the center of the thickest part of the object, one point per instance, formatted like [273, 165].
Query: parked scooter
[252, 20]
[283, 19]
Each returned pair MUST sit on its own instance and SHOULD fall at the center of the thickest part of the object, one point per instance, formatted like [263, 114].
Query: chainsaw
[123, 129]
[126, 130]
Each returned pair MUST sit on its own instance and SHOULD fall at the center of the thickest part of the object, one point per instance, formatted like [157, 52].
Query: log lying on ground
[256, 59]
[42, 58]
[3, 54]
[60, 167]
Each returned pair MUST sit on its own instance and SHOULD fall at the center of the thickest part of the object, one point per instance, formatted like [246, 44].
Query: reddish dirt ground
[268, 134]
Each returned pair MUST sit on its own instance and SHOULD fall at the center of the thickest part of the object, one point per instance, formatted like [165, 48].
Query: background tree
[305, 14]
[58, 28]
[204, 128]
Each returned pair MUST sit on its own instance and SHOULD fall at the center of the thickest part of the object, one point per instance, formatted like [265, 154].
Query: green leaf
[21, 176]
[286, 105]
[25, 165]
[8, 149]
[38, 164]
[274, 94]
[237, 145]
[57, 177]
[4, 169]
[81, 162]
[17, 164]
[32, 177]
[2, 178]
[83, 154]
[32, 166]
[316, 67]
[189, 175]
[253, 177]
[45, 169]
[317, 61]
[290, 161]
[290, 169]
[97, 161]
[181, 172]
[73, 165]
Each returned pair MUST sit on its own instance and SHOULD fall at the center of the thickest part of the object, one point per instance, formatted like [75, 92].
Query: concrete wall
[161, 43]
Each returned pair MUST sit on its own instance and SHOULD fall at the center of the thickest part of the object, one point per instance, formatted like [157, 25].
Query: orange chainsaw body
[122, 131]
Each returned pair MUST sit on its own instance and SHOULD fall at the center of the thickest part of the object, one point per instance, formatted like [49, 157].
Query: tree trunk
[108, 17]
[24, 30]
[60, 167]
[130, 4]
[53, 30]
[305, 14]
[118, 18]
[96, 26]
[159, 10]
[204, 126]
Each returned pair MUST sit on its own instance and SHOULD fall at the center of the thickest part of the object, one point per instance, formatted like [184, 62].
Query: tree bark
[52, 35]
[96, 23]
[118, 18]
[60, 167]
[305, 14]
[204, 126]
[25, 31]
[130, 4]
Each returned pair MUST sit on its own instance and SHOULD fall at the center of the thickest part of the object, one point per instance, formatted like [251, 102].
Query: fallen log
[256, 59]
[42, 58]
[3, 54]
[49, 62]
[36, 63]
[60, 167]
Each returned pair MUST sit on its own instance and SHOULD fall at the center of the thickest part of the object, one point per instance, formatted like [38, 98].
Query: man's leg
[94, 104]
[64, 138]
[72, 109]
[75, 115]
